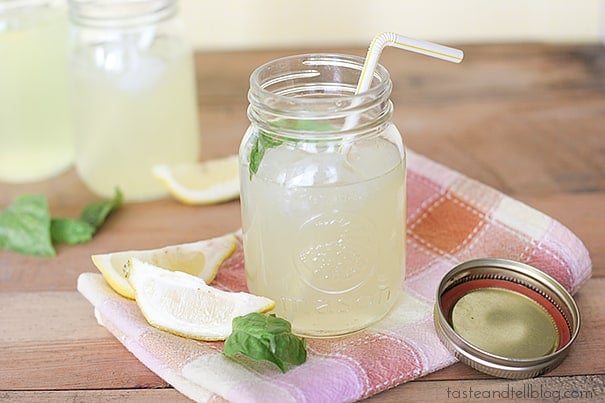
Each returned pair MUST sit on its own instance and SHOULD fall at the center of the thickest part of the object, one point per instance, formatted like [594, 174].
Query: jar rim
[120, 13]
[9, 5]
[318, 87]
[380, 87]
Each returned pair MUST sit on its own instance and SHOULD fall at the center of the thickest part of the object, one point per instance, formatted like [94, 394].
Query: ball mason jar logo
[331, 253]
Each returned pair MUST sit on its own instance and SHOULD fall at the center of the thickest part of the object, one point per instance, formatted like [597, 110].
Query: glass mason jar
[133, 84]
[36, 140]
[323, 194]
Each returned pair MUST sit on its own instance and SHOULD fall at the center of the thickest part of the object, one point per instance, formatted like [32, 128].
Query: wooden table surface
[526, 119]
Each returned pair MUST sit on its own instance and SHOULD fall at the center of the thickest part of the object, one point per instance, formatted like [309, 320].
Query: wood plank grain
[546, 146]
[51, 340]
[581, 388]
[582, 213]
[92, 396]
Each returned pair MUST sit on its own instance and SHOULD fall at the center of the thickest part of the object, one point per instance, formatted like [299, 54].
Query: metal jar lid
[505, 318]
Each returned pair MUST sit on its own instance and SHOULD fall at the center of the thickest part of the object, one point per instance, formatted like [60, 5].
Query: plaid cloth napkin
[451, 218]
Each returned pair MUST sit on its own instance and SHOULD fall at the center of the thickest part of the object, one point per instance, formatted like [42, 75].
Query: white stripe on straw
[384, 39]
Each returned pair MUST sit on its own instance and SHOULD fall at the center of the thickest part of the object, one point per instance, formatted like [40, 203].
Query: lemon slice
[185, 305]
[206, 182]
[201, 259]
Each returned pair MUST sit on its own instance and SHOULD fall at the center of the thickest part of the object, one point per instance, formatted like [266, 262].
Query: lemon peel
[206, 182]
[201, 259]
[185, 305]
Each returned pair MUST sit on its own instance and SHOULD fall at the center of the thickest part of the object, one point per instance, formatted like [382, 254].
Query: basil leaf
[263, 142]
[69, 231]
[95, 213]
[25, 226]
[265, 338]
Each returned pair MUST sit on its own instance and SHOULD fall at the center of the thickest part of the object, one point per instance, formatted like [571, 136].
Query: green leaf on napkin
[25, 226]
[265, 338]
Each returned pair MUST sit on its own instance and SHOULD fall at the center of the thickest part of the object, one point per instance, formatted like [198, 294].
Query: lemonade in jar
[323, 194]
[133, 85]
[36, 138]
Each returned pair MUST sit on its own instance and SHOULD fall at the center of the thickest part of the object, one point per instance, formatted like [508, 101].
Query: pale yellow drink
[35, 123]
[330, 255]
[131, 118]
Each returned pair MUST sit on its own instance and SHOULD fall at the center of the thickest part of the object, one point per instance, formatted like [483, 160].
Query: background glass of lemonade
[36, 139]
[323, 194]
[133, 85]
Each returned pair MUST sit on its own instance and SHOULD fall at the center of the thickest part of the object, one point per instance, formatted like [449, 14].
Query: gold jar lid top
[505, 318]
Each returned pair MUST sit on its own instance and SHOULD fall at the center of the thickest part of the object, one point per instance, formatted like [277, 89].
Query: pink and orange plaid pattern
[451, 218]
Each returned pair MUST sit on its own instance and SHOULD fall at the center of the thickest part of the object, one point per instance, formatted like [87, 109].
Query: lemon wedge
[206, 182]
[185, 305]
[201, 259]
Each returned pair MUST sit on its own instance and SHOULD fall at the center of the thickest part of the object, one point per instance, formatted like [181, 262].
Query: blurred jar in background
[133, 86]
[35, 124]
